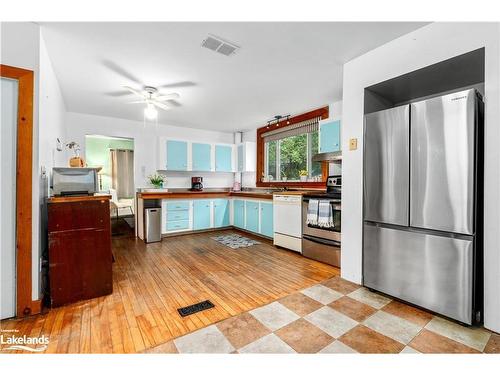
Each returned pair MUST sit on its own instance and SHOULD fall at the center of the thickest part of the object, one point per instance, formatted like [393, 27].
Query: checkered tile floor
[336, 316]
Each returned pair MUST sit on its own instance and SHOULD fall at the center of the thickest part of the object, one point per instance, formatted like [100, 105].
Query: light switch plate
[353, 144]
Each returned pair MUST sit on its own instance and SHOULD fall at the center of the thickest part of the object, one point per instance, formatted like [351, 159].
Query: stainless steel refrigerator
[422, 235]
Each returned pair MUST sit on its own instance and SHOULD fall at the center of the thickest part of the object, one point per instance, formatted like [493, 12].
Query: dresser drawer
[177, 215]
[178, 205]
[177, 225]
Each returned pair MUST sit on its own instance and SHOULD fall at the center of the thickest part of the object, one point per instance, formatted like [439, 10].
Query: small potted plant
[283, 177]
[303, 175]
[157, 180]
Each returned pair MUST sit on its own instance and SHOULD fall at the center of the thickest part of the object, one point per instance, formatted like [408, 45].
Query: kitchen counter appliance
[287, 221]
[318, 242]
[196, 183]
[74, 181]
[422, 236]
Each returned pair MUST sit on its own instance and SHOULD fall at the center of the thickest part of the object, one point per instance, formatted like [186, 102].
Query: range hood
[335, 156]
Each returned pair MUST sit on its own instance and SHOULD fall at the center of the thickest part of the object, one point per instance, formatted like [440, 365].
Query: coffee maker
[196, 183]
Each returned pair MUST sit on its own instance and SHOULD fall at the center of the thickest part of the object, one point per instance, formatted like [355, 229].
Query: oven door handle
[321, 240]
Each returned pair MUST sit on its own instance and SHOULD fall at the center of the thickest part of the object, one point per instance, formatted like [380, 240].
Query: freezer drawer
[442, 163]
[386, 166]
[430, 271]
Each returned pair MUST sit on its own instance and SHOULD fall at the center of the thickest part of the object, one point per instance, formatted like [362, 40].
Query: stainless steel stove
[318, 242]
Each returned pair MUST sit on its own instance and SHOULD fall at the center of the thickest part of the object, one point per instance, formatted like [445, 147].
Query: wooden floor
[151, 282]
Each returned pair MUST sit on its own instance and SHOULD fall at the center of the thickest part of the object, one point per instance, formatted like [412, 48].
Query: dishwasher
[288, 221]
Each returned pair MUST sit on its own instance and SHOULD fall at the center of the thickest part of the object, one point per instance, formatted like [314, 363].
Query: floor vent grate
[197, 307]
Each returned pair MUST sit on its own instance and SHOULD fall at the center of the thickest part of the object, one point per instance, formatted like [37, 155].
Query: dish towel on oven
[312, 212]
[325, 215]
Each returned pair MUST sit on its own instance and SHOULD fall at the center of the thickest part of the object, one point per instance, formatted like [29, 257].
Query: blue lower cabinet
[252, 216]
[221, 213]
[177, 225]
[177, 215]
[239, 213]
[201, 214]
[223, 158]
[266, 219]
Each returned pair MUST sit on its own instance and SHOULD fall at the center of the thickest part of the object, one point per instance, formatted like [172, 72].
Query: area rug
[235, 241]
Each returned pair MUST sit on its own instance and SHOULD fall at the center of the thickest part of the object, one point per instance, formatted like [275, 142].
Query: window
[285, 158]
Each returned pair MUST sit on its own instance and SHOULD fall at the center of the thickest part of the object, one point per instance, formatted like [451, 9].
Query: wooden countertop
[82, 198]
[295, 192]
[201, 194]
[186, 194]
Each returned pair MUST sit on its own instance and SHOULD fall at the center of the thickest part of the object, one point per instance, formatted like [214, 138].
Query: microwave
[74, 181]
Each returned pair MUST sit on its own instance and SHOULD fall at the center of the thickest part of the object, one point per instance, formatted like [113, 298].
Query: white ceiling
[281, 68]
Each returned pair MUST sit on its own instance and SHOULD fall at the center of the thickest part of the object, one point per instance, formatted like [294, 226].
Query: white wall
[52, 112]
[146, 145]
[423, 47]
[20, 47]
[51, 125]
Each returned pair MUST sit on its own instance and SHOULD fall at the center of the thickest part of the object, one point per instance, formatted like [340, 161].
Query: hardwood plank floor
[150, 282]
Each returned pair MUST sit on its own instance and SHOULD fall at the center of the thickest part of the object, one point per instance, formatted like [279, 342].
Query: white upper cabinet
[246, 156]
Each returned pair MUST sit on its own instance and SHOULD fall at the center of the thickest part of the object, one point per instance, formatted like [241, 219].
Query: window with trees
[288, 158]
[285, 150]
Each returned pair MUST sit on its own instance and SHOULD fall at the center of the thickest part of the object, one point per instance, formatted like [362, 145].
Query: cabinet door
[221, 213]
[266, 219]
[223, 158]
[252, 216]
[330, 137]
[176, 156]
[201, 214]
[201, 157]
[241, 152]
[239, 213]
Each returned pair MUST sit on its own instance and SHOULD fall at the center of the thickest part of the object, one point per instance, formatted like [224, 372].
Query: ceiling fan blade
[177, 84]
[173, 95]
[134, 91]
[138, 101]
[160, 105]
[121, 71]
[173, 103]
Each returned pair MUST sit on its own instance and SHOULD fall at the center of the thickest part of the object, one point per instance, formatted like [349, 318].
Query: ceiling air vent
[219, 45]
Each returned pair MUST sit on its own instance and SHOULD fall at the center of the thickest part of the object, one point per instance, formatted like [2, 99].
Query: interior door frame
[24, 190]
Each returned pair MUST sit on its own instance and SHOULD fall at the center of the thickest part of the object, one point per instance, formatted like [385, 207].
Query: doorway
[16, 159]
[115, 157]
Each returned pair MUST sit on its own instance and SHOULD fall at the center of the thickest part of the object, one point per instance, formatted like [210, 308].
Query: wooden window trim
[323, 113]
[24, 182]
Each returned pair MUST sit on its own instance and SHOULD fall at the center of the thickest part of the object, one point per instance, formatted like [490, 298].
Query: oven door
[332, 234]
[325, 251]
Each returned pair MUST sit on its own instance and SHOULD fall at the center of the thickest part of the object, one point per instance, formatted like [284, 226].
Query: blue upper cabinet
[252, 216]
[201, 157]
[239, 213]
[201, 214]
[221, 213]
[176, 156]
[329, 135]
[223, 158]
[266, 219]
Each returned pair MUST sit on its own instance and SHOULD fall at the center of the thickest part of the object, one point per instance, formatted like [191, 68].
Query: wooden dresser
[80, 258]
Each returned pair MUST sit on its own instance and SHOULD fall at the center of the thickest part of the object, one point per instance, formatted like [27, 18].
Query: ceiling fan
[148, 95]
[153, 99]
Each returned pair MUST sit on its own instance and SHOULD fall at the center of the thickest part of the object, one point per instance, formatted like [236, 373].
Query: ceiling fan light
[150, 112]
